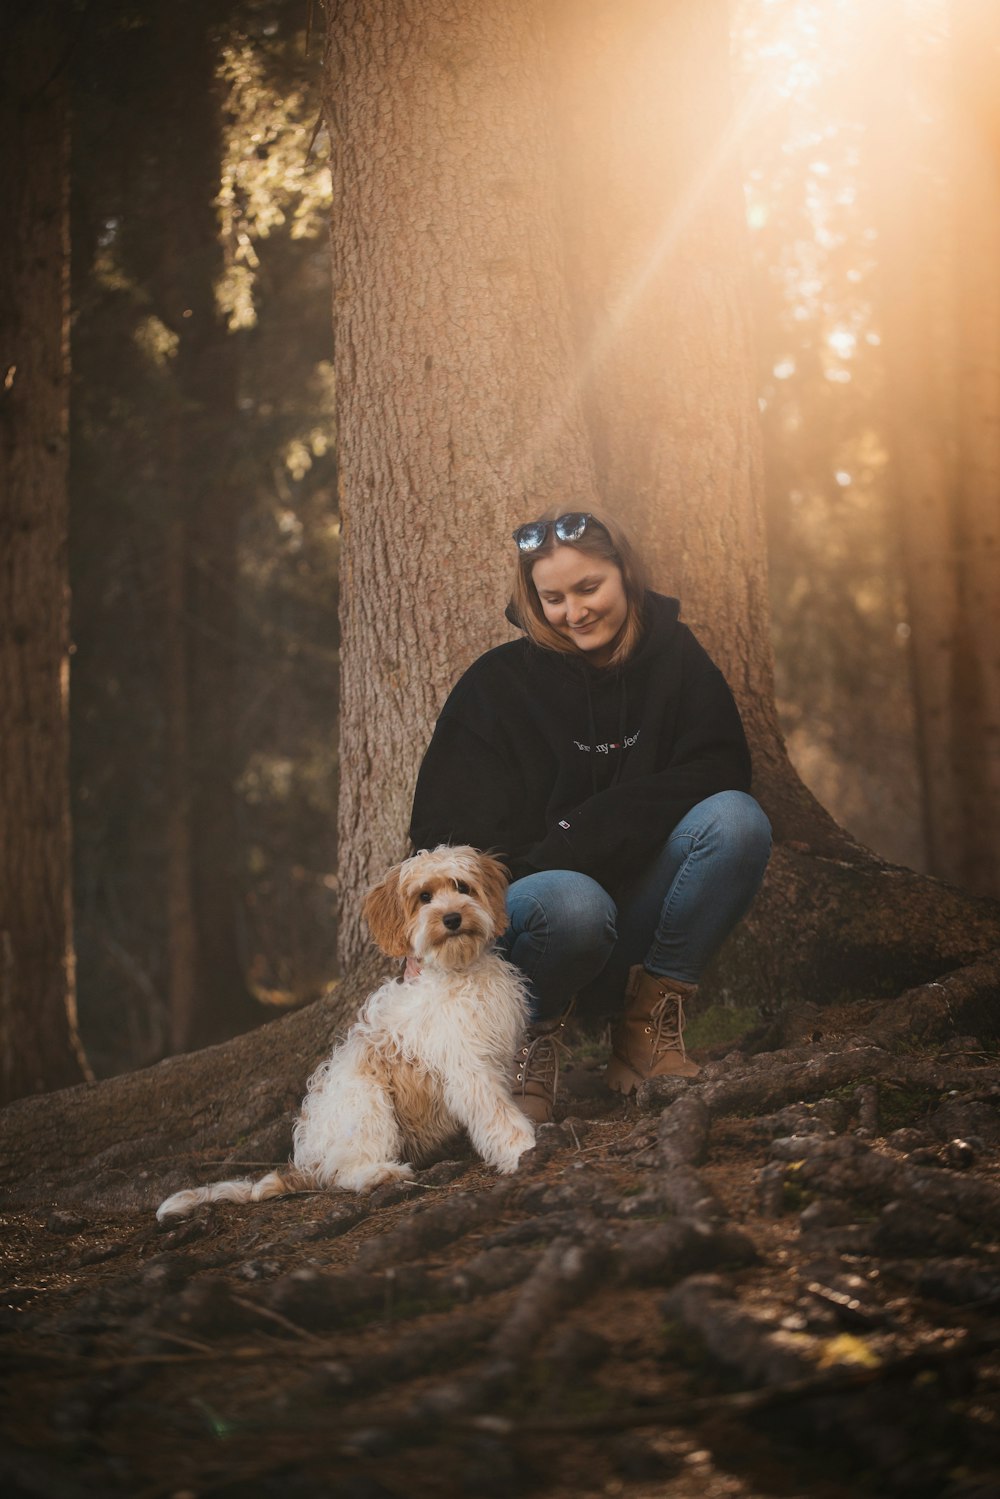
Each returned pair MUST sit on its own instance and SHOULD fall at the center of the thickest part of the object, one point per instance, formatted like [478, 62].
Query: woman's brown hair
[607, 541]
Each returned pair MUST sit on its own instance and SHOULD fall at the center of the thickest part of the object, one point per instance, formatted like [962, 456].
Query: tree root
[683, 1132]
[430, 1226]
[963, 1001]
[963, 1349]
[839, 929]
[847, 1168]
[759, 1085]
[566, 1272]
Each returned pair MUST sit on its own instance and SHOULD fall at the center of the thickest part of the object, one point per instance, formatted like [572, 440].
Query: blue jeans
[567, 935]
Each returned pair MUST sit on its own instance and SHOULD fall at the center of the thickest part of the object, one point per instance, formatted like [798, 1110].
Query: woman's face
[583, 598]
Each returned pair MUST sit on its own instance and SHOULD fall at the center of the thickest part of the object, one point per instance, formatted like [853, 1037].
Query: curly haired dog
[428, 1055]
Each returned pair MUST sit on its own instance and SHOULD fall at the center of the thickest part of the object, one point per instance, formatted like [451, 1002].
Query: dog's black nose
[452, 921]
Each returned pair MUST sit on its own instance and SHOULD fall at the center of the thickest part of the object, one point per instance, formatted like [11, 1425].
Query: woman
[602, 755]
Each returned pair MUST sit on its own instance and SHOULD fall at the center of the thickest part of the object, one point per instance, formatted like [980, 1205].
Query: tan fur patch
[384, 915]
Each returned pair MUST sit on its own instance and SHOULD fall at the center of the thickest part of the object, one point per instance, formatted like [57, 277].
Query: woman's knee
[570, 909]
[732, 825]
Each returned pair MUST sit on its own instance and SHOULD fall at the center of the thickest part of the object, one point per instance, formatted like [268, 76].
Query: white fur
[427, 1055]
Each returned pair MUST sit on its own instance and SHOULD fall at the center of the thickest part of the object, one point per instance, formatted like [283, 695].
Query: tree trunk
[976, 679]
[209, 995]
[182, 940]
[943, 374]
[456, 416]
[38, 1036]
[658, 268]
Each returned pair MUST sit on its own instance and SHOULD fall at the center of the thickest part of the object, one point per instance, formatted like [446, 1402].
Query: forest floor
[780, 1279]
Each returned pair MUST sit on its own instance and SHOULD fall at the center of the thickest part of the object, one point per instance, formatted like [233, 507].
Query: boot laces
[666, 1024]
[538, 1060]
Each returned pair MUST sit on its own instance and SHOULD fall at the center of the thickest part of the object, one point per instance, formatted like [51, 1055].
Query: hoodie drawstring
[592, 732]
[592, 729]
[622, 720]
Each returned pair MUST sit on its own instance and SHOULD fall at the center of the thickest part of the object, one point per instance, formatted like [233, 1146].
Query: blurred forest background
[203, 474]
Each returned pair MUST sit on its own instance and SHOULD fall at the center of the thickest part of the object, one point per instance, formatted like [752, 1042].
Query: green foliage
[899, 1105]
[794, 1196]
[720, 1025]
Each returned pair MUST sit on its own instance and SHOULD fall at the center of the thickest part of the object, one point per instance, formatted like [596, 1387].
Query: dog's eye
[462, 887]
[425, 897]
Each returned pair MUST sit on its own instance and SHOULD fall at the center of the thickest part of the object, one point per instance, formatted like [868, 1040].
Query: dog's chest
[433, 1020]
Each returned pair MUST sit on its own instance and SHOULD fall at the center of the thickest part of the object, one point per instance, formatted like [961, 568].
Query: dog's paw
[367, 1178]
[507, 1156]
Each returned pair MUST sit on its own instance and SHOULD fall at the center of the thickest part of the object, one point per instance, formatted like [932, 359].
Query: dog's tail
[242, 1189]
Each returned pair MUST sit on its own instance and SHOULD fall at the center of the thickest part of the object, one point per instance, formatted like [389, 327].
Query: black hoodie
[557, 764]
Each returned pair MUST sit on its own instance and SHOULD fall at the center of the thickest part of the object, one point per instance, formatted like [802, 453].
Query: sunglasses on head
[567, 528]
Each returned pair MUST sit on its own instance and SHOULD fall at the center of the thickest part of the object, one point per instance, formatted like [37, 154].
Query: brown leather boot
[649, 1040]
[536, 1068]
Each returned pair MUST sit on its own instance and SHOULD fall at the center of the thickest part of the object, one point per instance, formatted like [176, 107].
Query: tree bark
[182, 943]
[942, 339]
[209, 994]
[456, 415]
[38, 1035]
[658, 266]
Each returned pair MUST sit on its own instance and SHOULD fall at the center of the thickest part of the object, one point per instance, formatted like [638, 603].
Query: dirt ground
[782, 1279]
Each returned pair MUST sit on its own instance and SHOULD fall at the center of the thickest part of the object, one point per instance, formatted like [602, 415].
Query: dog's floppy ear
[493, 878]
[383, 912]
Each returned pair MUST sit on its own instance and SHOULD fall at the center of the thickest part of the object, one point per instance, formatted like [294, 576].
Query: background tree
[205, 529]
[807, 84]
[976, 682]
[209, 996]
[910, 192]
[39, 1046]
[934, 173]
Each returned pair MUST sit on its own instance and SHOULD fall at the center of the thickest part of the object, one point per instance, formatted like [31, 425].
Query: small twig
[320, 122]
[175, 1337]
[600, 1149]
[576, 1137]
[319, 1349]
[276, 1318]
[69, 1361]
[257, 1165]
